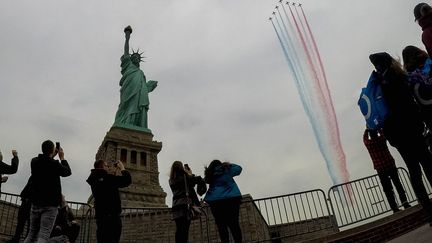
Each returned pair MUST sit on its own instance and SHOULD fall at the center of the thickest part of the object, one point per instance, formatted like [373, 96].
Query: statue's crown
[141, 57]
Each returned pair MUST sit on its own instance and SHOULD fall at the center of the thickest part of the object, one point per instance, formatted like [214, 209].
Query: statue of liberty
[134, 100]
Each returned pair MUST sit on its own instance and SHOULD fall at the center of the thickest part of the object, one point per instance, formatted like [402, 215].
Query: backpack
[421, 82]
[372, 104]
[422, 76]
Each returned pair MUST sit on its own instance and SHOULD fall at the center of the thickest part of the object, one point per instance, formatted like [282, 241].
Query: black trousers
[226, 215]
[386, 177]
[23, 218]
[416, 155]
[182, 230]
[108, 229]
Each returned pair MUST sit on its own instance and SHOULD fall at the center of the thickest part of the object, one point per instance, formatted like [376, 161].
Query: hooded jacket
[105, 190]
[223, 185]
[45, 189]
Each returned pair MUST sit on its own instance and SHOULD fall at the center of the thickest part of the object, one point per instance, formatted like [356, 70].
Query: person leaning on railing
[384, 164]
[8, 169]
[65, 224]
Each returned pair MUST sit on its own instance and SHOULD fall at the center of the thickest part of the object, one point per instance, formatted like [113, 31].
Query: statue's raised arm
[128, 32]
[134, 100]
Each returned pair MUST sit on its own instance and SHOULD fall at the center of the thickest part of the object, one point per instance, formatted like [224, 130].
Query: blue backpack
[372, 104]
[422, 76]
[420, 81]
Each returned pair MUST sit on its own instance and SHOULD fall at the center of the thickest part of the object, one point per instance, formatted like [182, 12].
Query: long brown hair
[396, 66]
[176, 168]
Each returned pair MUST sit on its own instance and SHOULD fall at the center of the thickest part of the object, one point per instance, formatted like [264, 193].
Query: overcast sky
[224, 91]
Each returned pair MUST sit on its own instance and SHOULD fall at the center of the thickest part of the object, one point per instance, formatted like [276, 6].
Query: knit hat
[413, 57]
[418, 10]
[381, 61]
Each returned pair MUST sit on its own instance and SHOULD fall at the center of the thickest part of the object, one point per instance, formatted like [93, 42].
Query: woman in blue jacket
[224, 198]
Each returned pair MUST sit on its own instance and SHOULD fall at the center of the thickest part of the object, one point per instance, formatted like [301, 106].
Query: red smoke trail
[327, 91]
[308, 55]
[308, 43]
[320, 81]
[326, 99]
[318, 57]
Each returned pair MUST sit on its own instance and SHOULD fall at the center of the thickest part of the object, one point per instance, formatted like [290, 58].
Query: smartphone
[186, 166]
[58, 146]
[4, 179]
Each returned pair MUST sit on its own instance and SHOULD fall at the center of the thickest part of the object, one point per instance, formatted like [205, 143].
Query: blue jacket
[224, 186]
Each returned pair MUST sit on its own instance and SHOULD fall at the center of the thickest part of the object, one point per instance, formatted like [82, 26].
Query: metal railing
[363, 199]
[9, 207]
[262, 220]
[296, 213]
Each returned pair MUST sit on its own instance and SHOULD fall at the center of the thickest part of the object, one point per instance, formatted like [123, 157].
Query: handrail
[274, 217]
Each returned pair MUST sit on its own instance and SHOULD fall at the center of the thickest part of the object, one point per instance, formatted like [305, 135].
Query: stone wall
[138, 151]
[303, 230]
[159, 227]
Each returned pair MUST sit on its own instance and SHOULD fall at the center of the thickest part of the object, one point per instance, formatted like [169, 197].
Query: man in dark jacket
[8, 169]
[423, 15]
[45, 191]
[105, 190]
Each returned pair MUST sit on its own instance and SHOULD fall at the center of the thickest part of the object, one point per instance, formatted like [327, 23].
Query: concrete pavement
[419, 235]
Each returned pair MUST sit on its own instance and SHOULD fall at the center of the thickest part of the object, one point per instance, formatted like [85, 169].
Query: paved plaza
[419, 235]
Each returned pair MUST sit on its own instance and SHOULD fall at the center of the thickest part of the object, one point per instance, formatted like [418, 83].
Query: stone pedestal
[138, 151]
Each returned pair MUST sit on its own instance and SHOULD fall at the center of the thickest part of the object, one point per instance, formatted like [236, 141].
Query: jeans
[42, 220]
[226, 215]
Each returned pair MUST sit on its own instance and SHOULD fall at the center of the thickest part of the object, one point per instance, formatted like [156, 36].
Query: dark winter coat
[26, 191]
[105, 190]
[404, 120]
[9, 169]
[178, 188]
[45, 183]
